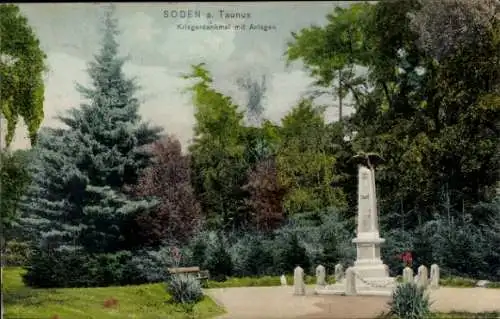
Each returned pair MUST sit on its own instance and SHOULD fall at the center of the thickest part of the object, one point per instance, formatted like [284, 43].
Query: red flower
[407, 258]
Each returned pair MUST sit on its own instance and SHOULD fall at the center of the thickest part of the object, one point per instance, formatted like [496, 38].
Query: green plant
[409, 302]
[457, 282]
[77, 268]
[184, 289]
[17, 253]
[218, 260]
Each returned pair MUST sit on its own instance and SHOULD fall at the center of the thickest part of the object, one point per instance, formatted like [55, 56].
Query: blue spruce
[78, 199]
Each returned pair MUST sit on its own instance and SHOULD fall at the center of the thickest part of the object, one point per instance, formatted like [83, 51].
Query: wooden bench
[201, 275]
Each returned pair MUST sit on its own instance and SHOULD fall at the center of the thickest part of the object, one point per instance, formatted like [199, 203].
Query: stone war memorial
[370, 273]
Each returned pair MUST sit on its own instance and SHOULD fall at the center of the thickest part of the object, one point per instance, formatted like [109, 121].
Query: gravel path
[279, 302]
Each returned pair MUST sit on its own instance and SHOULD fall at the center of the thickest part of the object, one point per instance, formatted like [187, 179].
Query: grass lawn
[141, 302]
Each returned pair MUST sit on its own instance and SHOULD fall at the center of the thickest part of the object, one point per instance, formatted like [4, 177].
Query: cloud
[285, 90]
[139, 29]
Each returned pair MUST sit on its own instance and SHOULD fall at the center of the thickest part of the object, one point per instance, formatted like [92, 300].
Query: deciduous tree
[22, 65]
[168, 180]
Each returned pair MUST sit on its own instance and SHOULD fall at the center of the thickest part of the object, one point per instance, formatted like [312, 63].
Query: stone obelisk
[371, 276]
[371, 271]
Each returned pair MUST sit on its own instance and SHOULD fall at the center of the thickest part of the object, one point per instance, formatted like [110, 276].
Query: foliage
[218, 261]
[168, 180]
[331, 54]
[76, 268]
[22, 66]
[15, 179]
[266, 196]
[184, 289]
[148, 266]
[410, 302]
[434, 122]
[291, 254]
[325, 237]
[16, 253]
[440, 25]
[305, 161]
[142, 301]
[78, 196]
[217, 152]
[251, 256]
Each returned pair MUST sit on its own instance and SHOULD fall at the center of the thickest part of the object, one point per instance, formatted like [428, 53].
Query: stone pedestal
[371, 273]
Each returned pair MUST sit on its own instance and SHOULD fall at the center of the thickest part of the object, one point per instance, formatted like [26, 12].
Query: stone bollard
[299, 287]
[387, 272]
[339, 272]
[434, 276]
[423, 277]
[320, 276]
[407, 275]
[283, 280]
[350, 282]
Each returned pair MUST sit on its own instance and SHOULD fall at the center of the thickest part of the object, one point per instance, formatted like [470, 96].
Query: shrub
[396, 242]
[290, 253]
[218, 261]
[409, 302]
[184, 289]
[69, 267]
[148, 266]
[250, 257]
[17, 253]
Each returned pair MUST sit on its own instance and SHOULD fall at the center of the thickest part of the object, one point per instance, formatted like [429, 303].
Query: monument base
[368, 287]
[372, 279]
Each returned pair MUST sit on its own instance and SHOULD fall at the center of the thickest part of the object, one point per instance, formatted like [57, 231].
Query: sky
[160, 47]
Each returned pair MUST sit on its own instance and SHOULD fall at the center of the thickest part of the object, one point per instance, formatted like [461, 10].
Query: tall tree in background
[429, 107]
[22, 64]
[168, 180]
[217, 152]
[255, 93]
[306, 160]
[331, 53]
[266, 196]
[77, 196]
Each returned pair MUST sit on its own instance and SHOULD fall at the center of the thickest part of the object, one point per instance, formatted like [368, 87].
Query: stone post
[350, 282]
[339, 272]
[434, 276]
[320, 276]
[283, 280]
[299, 286]
[387, 272]
[423, 277]
[407, 275]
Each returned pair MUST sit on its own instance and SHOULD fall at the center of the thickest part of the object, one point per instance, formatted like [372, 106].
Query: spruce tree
[80, 173]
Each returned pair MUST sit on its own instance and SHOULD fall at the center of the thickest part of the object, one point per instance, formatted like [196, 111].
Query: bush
[74, 268]
[184, 289]
[290, 253]
[250, 257]
[17, 253]
[218, 261]
[409, 302]
[148, 266]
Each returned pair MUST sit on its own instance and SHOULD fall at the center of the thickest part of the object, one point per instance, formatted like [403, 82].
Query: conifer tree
[80, 173]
